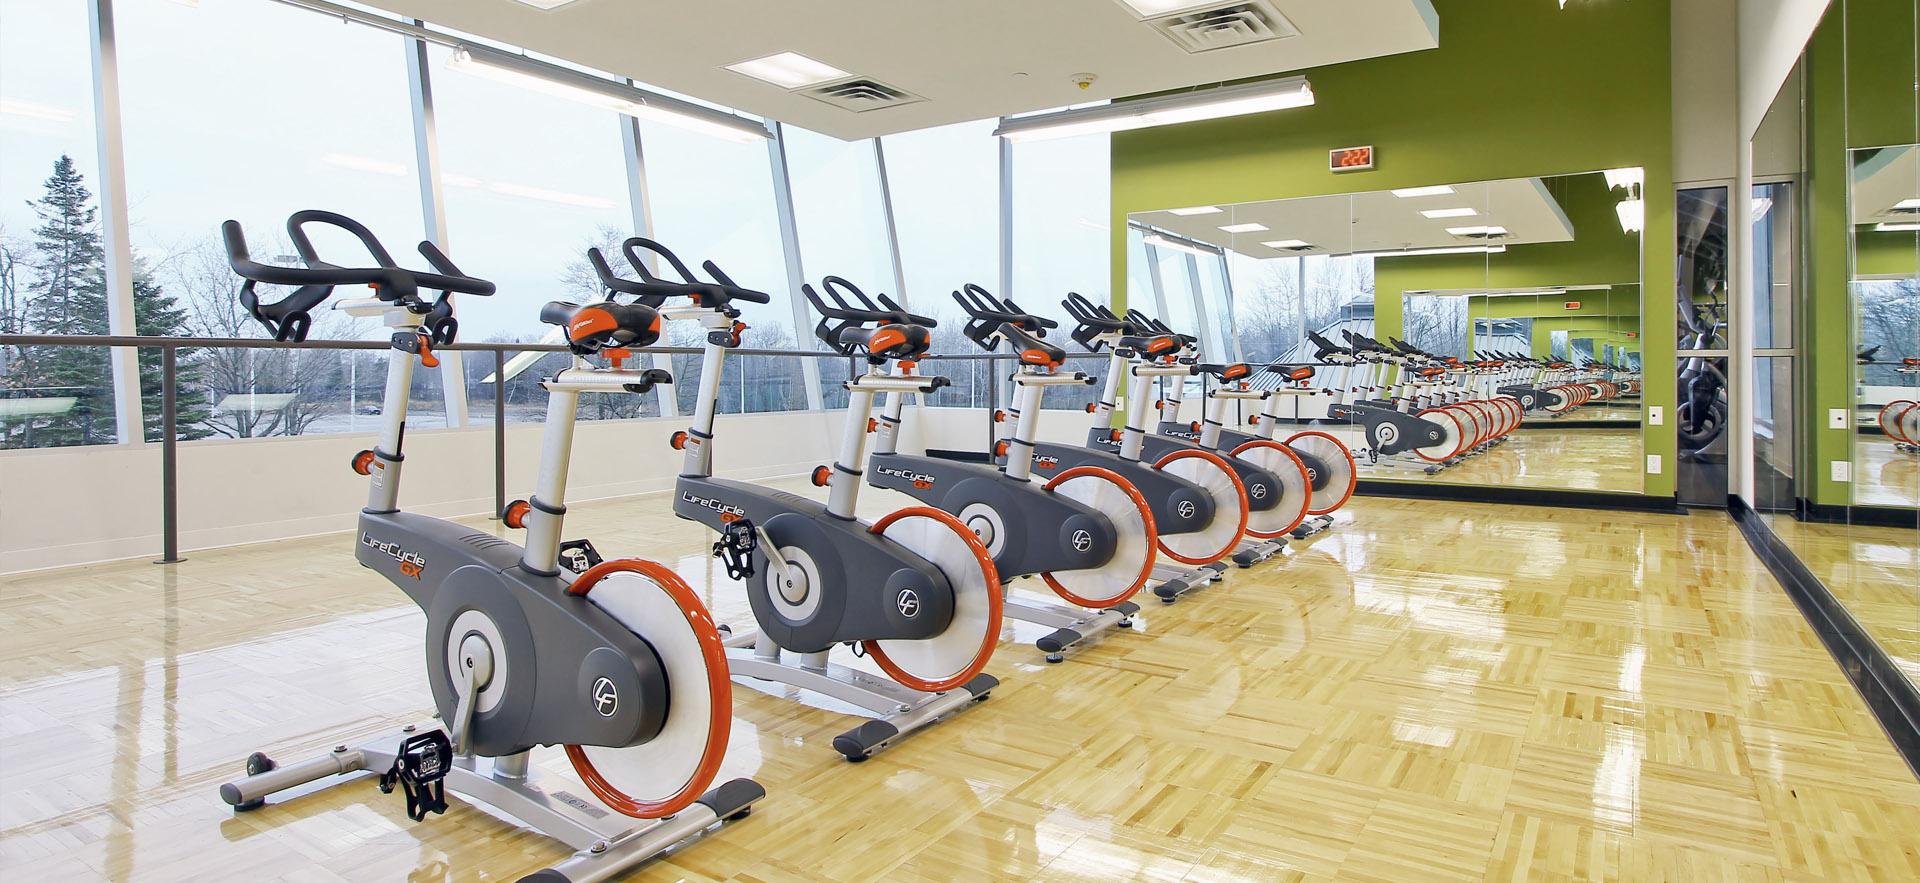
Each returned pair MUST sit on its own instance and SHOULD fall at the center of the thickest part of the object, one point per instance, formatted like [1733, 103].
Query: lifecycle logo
[909, 603]
[1181, 433]
[1186, 508]
[1082, 541]
[412, 564]
[729, 513]
[1258, 491]
[1048, 463]
[606, 697]
[920, 480]
[1313, 475]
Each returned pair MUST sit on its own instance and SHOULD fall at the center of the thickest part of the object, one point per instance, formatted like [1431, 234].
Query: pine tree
[157, 314]
[67, 295]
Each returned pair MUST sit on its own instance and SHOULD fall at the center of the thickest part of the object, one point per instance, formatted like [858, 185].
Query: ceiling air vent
[1900, 211]
[861, 95]
[1225, 26]
[1495, 233]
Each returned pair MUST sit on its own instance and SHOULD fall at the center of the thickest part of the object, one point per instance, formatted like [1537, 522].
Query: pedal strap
[420, 766]
[735, 549]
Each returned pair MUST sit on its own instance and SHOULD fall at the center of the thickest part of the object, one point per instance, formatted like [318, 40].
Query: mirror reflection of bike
[1702, 414]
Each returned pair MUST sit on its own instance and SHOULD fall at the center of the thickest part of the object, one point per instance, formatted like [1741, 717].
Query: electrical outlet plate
[1656, 415]
[1653, 464]
[1837, 418]
[1842, 470]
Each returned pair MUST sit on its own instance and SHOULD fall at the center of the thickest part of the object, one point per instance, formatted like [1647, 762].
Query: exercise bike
[1332, 475]
[525, 646]
[1086, 532]
[1898, 419]
[916, 590]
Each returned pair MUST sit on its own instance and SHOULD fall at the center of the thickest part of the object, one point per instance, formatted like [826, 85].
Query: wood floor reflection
[1572, 458]
[1886, 475]
[1874, 571]
[1431, 691]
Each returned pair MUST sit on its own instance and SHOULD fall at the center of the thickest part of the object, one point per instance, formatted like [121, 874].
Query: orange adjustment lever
[678, 441]
[820, 476]
[427, 358]
[363, 462]
[515, 515]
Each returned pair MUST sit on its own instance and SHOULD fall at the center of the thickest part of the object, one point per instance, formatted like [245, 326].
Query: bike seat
[1151, 345]
[1033, 350]
[893, 340]
[603, 325]
[1234, 371]
[1292, 372]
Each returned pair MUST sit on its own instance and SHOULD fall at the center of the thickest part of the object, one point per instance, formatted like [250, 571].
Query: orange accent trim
[1300, 374]
[995, 594]
[655, 327]
[1298, 463]
[872, 425]
[1238, 486]
[999, 416]
[1035, 357]
[1146, 514]
[1091, 407]
[1159, 344]
[1254, 420]
[678, 440]
[820, 476]
[907, 367]
[719, 692]
[1193, 426]
[1000, 448]
[515, 515]
[363, 462]
[427, 358]
[1113, 435]
[1234, 371]
[885, 339]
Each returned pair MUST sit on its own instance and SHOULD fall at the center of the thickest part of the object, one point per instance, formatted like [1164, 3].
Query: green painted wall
[1860, 93]
[1883, 254]
[1515, 90]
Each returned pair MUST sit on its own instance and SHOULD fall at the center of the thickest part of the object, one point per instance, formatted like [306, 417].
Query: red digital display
[1350, 159]
[1573, 305]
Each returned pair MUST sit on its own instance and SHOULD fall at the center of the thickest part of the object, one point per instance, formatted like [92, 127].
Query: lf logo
[1186, 508]
[908, 602]
[606, 699]
[1082, 541]
[1258, 492]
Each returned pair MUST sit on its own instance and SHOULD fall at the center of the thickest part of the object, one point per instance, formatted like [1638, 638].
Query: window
[712, 200]
[1062, 239]
[259, 136]
[842, 223]
[520, 217]
[50, 255]
[946, 193]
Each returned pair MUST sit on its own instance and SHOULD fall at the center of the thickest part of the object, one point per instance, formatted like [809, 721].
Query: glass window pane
[945, 185]
[712, 200]
[342, 142]
[524, 221]
[842, 223]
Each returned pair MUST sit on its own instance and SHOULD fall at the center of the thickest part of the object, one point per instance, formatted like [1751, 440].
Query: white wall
[66, 506]
[1705, 85]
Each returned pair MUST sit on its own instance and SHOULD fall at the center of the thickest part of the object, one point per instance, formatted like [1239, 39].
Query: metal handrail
[169, 392]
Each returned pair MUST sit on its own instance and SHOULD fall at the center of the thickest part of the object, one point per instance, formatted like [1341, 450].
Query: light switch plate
[1656, 415]
[1653, 464]
[1842, 470]
[1837, 418]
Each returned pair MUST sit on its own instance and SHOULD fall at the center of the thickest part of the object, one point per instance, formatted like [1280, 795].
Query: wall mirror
[1885, 226]
[1483, 333]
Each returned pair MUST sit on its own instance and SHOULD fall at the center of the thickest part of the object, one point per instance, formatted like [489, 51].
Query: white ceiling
[1378, 221]
[968, 60]
[1882, 177]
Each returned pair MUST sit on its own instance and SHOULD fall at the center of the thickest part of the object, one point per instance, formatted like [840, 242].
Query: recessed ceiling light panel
[1477, 231]
[1196, 210]
[1243, 228]
[1288, 243]
[1412, 192]
[544, 5]
[1449, 213]
[788, 70]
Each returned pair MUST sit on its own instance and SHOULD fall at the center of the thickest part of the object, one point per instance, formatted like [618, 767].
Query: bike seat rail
[654, 292]
[993, 319]
[290, 318]
[896, 333]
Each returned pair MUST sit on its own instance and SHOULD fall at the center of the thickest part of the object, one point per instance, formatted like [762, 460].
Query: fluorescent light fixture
[1181, 107]
[593, 91]
[1422, 252]
[38, 406]
[14, 107]
[254, 402]
[1633, 215]
[1761, 205]
[1627, 178]
[1151, 8]
[1900, 227]
[1244, 228]
[1196, 210]
[1487, 230]
[364, 164]
[545, 5]
[1908, 204]
[1414, 192]
[1165, 241]
[788, 70]
[1288, 243]
[1449, 213]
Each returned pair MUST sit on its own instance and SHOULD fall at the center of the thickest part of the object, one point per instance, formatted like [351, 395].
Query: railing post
[169, 457]
[499, 432]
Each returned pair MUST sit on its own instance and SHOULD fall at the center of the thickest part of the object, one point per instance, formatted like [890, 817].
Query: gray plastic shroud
[1040, 531]
[470, 582]
[1178, 505]
[1263, 487]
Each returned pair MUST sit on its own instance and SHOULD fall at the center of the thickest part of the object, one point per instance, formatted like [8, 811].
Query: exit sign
[1573, 305]
[1350, 159]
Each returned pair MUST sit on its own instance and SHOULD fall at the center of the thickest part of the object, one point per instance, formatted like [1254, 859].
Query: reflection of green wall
[1623, 333]
[1514, 90]
[1884, 254]
[1859, 94]
[1608, 316]
[1598, 253]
